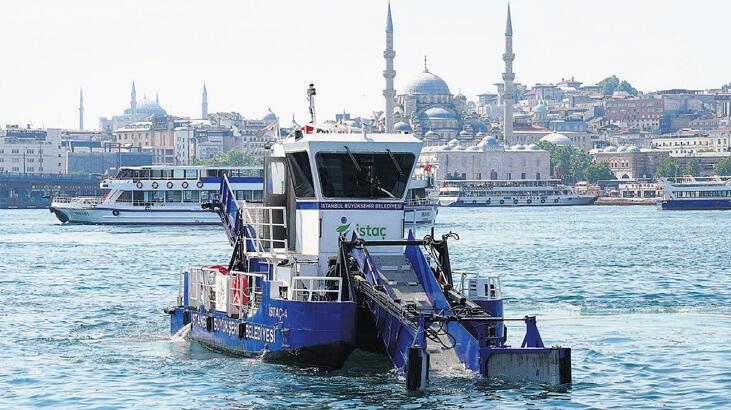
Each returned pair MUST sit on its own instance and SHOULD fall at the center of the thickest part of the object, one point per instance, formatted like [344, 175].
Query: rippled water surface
[642, 296]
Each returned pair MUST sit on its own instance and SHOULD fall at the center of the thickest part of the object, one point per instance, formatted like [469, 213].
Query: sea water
[642, 296]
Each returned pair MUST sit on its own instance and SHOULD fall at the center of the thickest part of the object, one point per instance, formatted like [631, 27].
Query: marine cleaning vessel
[321, 268]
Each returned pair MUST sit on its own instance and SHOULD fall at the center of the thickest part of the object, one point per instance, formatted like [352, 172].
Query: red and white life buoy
[239, 286]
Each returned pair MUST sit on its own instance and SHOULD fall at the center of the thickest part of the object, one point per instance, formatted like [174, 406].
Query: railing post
[185, 289]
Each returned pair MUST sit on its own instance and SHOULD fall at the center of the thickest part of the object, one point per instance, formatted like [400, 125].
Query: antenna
[311, 98]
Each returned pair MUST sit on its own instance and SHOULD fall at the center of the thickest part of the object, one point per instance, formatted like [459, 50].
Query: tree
[567, 163]
[723, 167]
[669, 167]
[612, 83]
[233, 158]
[597, 171]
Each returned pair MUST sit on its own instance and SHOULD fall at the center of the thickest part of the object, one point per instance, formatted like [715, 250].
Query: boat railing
[304, 288]
[267, 226]
[201, 287]
[240, 287]
[421, 201]
[234, 292]
[82, 200]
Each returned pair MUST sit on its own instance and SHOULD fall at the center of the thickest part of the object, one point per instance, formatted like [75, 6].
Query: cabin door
[275, 194]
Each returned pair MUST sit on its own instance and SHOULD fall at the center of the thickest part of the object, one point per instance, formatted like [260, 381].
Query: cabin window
[299, 167]
[158, 196]
[191, 196]
[125, 196]
[124, 173]
[173, 196]
[379, 175]
[178, 174]
[191, 174]
[276, 178]
[156, 174]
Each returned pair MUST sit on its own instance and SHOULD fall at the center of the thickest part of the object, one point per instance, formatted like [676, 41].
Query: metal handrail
[308, 291]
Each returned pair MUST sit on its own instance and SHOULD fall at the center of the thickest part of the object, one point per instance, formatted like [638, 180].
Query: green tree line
[571, 165]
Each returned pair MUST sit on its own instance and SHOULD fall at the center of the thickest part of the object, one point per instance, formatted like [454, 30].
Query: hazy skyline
[256, 54]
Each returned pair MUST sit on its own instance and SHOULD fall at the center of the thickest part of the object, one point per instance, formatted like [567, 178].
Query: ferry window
[158, 196]
[191, 174]
[276, 178]
[138, 197]
[124, 174]
[258, 196]
[191, 196]
[212, 172]
[364, 175]
[299, 168]
[125, 196]
[173, 196]
[178, 173]
[156, 173]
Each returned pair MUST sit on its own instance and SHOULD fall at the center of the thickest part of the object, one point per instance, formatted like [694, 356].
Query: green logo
[343, 229]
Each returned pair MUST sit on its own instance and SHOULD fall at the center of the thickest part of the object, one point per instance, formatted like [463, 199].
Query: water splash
[181, 335]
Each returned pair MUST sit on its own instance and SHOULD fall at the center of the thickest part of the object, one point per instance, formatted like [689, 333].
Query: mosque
[456, 139]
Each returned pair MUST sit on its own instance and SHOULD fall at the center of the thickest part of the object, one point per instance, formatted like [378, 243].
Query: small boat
[507, 193]
[321, 268]
[695, 193]
[158, 195]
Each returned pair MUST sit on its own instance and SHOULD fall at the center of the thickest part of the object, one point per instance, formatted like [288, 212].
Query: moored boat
[508, 193]
[695, 193]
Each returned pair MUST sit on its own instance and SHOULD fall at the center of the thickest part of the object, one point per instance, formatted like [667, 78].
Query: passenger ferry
[695, 193]
[157, 195]
[520, 192]
[321, 268]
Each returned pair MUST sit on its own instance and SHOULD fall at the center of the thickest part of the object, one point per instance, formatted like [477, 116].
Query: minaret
[204, 103]
[81, 109]
[389, 73]
[508, 77]
[157, 98]
[133, 101]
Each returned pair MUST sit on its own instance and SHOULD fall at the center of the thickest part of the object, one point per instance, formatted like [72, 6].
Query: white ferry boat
[523, 192]
[695, 193]
[170, 195]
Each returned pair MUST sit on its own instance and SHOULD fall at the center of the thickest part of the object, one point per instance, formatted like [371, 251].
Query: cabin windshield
[380, 175]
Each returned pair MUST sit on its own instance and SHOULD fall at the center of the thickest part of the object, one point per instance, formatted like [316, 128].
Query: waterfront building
[685, 144]
[629, 162]
[199, 140]
[488, 159]
[31, 151]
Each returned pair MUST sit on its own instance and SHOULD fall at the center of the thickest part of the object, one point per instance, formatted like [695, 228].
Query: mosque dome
[532, 147]
[557, 139]
[473, 148]
[425, 83]
[622, 149]
[149, 107]
[633, 148]
[269, 116]
[540, 108]
[431, 135]
[402, 127]
[458, 148]
[610, 149]
[464, 134]
[518, 148]
[453, 142]
[438, 113]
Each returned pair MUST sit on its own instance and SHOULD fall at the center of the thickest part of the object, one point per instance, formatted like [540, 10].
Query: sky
[255, 54]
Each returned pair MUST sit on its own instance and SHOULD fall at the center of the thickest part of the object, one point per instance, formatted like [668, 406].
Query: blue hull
[311, 334]
[695, 204]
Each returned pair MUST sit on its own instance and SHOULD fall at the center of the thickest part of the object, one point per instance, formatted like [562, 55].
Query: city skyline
[254, 55]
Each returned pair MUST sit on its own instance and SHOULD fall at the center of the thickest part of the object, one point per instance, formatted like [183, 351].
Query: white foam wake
[181, 335]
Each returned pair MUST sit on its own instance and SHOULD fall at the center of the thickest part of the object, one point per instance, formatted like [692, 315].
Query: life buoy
[115, 212]
[555, 201]
[530, 201]
[155, 185]
[487, 202]
[543, 201]
[139, 185]
[169, 184]
[239, 286]
[515, 202]
[185, 184]
[199, 184]
[502, 202]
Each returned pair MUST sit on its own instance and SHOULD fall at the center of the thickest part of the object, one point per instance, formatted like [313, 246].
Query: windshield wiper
[352, 158]
[395, 163]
